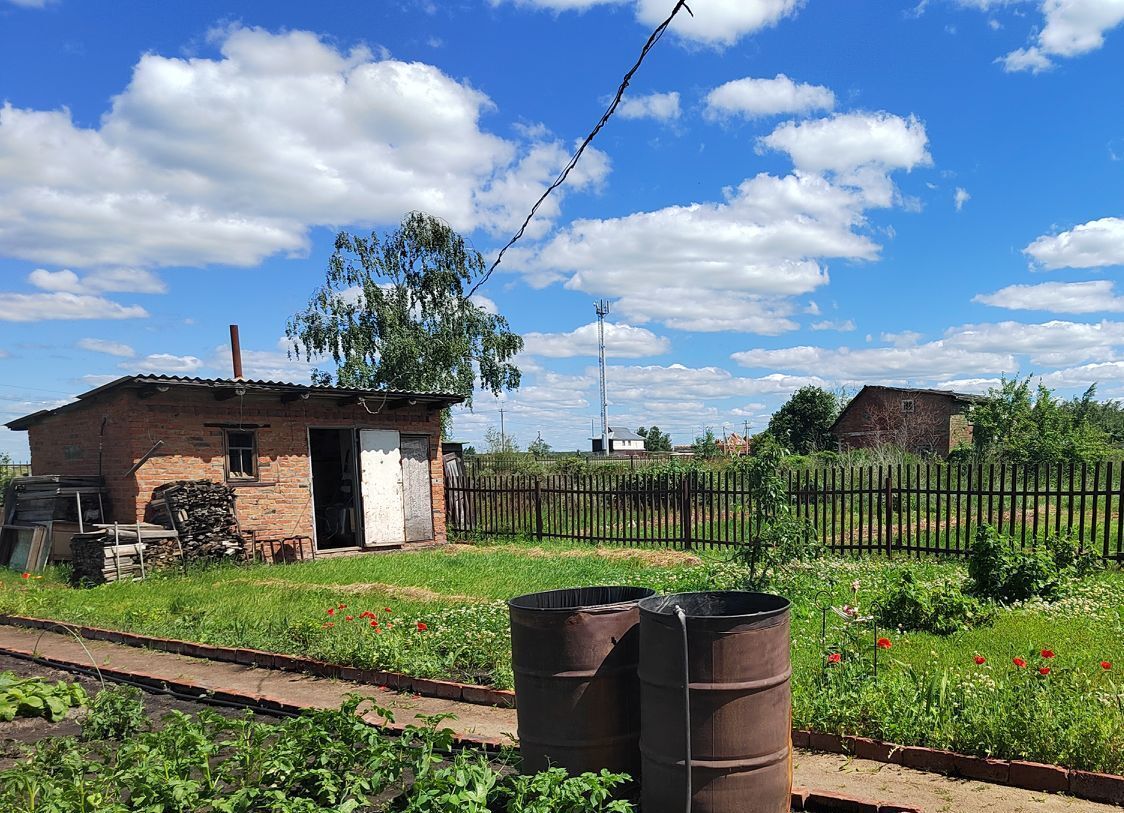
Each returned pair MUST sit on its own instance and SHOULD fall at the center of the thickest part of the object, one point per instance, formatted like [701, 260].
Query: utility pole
[503, 437]
[602, 308]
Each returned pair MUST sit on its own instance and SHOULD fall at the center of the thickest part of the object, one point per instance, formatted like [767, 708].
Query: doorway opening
[334, 488]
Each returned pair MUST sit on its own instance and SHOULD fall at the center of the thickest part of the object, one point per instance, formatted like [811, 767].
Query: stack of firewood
[202, 513]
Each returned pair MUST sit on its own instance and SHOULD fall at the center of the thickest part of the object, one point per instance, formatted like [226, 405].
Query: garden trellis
[931, 508]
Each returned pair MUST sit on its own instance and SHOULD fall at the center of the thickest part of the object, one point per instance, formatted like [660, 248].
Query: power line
[652, 40]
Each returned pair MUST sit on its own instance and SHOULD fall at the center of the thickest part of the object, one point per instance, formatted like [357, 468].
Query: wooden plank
[1081, 508]
[417, 489]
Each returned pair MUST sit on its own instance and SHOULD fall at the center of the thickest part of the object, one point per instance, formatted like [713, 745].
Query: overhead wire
[652, 40]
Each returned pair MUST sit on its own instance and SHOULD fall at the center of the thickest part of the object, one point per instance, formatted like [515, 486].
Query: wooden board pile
[202, 513]
[95, 562]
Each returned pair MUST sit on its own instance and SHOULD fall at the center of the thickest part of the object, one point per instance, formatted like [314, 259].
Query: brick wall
[278, 506]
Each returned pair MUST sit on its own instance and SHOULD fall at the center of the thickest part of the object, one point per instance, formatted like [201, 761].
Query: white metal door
[380, 462]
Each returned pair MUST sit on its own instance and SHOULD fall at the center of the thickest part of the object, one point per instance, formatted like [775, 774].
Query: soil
[22, 731]
[654, 557]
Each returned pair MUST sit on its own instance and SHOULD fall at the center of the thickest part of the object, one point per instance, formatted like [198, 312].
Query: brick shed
[346, 469]
[916, 420]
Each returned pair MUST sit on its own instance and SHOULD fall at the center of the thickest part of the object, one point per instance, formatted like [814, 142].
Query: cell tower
[602, 308]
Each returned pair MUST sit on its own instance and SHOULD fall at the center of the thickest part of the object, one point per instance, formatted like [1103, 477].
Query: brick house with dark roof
[916, 420]
[338, 469]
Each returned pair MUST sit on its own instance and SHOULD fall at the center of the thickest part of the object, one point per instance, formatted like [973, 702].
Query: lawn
[440, 613]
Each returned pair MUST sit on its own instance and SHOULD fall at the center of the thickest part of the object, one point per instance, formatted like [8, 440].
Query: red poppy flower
[1106, 664]
[1047, 653]
[884, 643]
[25, 575]
[349, 618]
[386, 610]
[374, 623]
[834, 657]
[329, 624]
[1019, 662]
[378, 631]
[1043, 670]
[341, 607]
[980, 660]
[422, 627]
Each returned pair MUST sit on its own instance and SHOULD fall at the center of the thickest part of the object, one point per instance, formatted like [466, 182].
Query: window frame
[228, 475]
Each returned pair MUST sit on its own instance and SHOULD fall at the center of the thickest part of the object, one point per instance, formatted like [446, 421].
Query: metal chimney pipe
[236, 352]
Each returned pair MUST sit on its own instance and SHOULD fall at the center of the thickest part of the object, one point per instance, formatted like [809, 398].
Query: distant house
[734, 444]
[917, 420]
[621, 441]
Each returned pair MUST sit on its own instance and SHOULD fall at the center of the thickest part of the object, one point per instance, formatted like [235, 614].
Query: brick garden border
[445, 689]
[1034, 776]
[1016, 773]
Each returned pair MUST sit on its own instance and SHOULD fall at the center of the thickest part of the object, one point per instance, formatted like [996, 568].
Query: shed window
[241, 455]
[907, 405]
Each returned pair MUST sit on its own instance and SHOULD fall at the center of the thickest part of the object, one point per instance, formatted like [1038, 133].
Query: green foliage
[706, 445]
[803, 422]
[1013, 425]
[32, 697]
[539, 447]
[320, 762]
[114, 714]
[654, 439]
[392, 313]
[497, 443]
[1002, 570]
[784, 537]
[555, 791]
[938, 606]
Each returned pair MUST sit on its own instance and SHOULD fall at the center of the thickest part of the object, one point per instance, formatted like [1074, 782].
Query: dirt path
[933, 793]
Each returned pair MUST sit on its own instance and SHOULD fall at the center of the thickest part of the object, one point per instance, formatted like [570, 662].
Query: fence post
[685, 508]
[538, 510]
[889, 498]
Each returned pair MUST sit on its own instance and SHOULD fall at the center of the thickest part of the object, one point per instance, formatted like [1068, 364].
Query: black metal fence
[926, 508]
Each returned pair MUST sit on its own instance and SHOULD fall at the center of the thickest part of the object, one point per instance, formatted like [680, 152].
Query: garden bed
[447, 620]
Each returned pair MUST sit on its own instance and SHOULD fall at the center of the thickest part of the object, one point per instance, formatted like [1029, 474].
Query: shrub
[114, 714]
[1004, 571]
[940, 607]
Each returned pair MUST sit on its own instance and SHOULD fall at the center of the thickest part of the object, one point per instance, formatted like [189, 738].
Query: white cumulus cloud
[234, 158]
[1095, 296]
[108, 347]
[1071, 28]
[658, 106]
[757, 98]
[1095, 244]
[621, 341]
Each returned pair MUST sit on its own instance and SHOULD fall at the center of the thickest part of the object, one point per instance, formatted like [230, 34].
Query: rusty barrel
[574, 654]
[739, 668]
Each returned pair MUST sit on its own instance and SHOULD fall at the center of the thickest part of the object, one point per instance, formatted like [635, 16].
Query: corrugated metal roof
[623, 433]
[250, 385]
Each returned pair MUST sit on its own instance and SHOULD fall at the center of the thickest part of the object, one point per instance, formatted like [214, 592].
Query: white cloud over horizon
[232, 159]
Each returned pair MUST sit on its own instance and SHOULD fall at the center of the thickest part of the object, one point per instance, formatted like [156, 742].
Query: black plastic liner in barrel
[574, 654]
[739, 667]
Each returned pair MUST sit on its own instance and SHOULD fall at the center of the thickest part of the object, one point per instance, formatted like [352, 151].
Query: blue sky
[794, 192]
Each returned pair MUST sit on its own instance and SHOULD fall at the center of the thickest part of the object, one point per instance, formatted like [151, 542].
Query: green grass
[929, 690]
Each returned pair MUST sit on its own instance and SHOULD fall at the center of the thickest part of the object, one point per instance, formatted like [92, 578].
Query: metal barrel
[739, 667]
[574, 654]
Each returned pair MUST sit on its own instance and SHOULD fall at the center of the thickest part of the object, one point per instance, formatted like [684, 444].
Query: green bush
[1004, 571]
[940, 607]
[115, 714]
